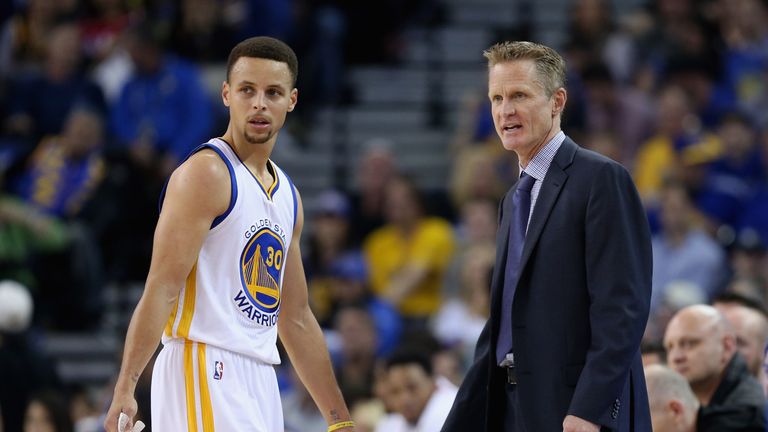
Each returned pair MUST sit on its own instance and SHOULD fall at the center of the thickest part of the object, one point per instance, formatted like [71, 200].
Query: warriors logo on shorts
[260, 271]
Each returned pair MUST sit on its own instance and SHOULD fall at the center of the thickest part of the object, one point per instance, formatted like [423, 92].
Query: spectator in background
[164, 110]
[683, 254]
[605, 143]
[61, 178]
[200, 32]
[731, 180]
[47, 412]
[328, 240]
[300, 413]
[748, 258]
[26, 35]
[460, 319]
[25, 233]
[764, 383]
[266, 18]
[478, 222]
[652, 353]
[320, 32]
[348, 285]
[674, 407]
[40, 103]
[677, 29]
[355, 361]
[408, 257]
[745, 55]
[375, 169]
[24, 370]
[749, 292]
[476, 231]
[753, 223]
[420, 400]
[65, 170]
[678, 142]
[702, 348]
[591, 25]
[751, 329]
[84, 409]
[698, 75]
[478, 173]
[626, 112]
[101, 26]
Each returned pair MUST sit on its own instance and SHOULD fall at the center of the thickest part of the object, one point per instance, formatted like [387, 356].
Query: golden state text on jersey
[261, 264]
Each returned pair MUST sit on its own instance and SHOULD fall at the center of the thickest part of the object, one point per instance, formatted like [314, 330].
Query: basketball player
[226, 265]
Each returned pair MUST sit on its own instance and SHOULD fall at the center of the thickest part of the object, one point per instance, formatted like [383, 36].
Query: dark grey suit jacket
[580, 307]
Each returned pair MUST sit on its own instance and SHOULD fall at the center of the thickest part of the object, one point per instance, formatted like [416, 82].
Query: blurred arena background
[100, 99]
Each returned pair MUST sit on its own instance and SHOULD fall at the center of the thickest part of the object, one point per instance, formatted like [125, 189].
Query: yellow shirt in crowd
[432, 245]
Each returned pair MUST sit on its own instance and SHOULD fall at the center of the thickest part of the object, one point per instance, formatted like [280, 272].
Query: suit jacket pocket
[572, 374]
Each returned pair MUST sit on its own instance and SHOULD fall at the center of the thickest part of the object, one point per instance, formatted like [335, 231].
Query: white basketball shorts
[200, 388]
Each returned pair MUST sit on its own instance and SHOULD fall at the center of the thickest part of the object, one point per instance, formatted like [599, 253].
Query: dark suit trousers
[512, 422]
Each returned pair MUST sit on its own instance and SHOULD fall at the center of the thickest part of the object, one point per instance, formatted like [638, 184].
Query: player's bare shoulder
[202, 181]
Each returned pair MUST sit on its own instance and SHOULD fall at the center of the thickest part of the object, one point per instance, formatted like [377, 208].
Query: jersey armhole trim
[293, 193]
[232, 180]
[233, 186]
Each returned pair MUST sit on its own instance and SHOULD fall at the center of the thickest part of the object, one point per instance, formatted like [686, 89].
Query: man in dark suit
[572, 283]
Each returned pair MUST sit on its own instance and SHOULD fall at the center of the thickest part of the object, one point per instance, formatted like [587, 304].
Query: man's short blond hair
[550, 65]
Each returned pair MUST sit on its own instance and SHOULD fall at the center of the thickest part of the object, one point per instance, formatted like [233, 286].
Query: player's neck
[254, 156]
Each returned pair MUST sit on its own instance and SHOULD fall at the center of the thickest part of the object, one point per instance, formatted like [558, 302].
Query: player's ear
[294, 98]
[560, 96]
[225, 93]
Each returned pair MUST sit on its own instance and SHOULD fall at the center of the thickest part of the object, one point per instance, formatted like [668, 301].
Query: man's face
[38, 418]
[747, 324]
[82, 132]
[401, 206]
[694, 348]
[259, 94]
[410, 389]
[522, 110]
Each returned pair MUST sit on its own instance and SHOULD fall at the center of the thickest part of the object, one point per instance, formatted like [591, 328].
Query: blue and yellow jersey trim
[269, 192]
[232, 181]
[293, 194]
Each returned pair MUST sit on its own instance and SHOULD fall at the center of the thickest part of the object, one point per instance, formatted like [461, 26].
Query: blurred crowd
[100, 100]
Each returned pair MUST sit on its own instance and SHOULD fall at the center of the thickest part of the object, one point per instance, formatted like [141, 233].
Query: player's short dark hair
[654, 347]
[266, 48]
[730, 297]
[408, 356]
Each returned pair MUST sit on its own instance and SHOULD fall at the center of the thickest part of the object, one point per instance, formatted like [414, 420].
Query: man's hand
[122, 424]
[124, 403]
[575, 424]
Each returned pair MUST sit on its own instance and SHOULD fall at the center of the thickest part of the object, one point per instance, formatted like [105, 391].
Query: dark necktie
[521, 207]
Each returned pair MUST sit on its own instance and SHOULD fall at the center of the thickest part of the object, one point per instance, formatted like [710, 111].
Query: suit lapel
[553, 183]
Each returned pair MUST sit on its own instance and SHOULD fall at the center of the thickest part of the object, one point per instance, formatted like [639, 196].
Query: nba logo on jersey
[218, 370]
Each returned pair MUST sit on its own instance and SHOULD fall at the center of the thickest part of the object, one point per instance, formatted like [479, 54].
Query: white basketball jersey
[231, 298]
